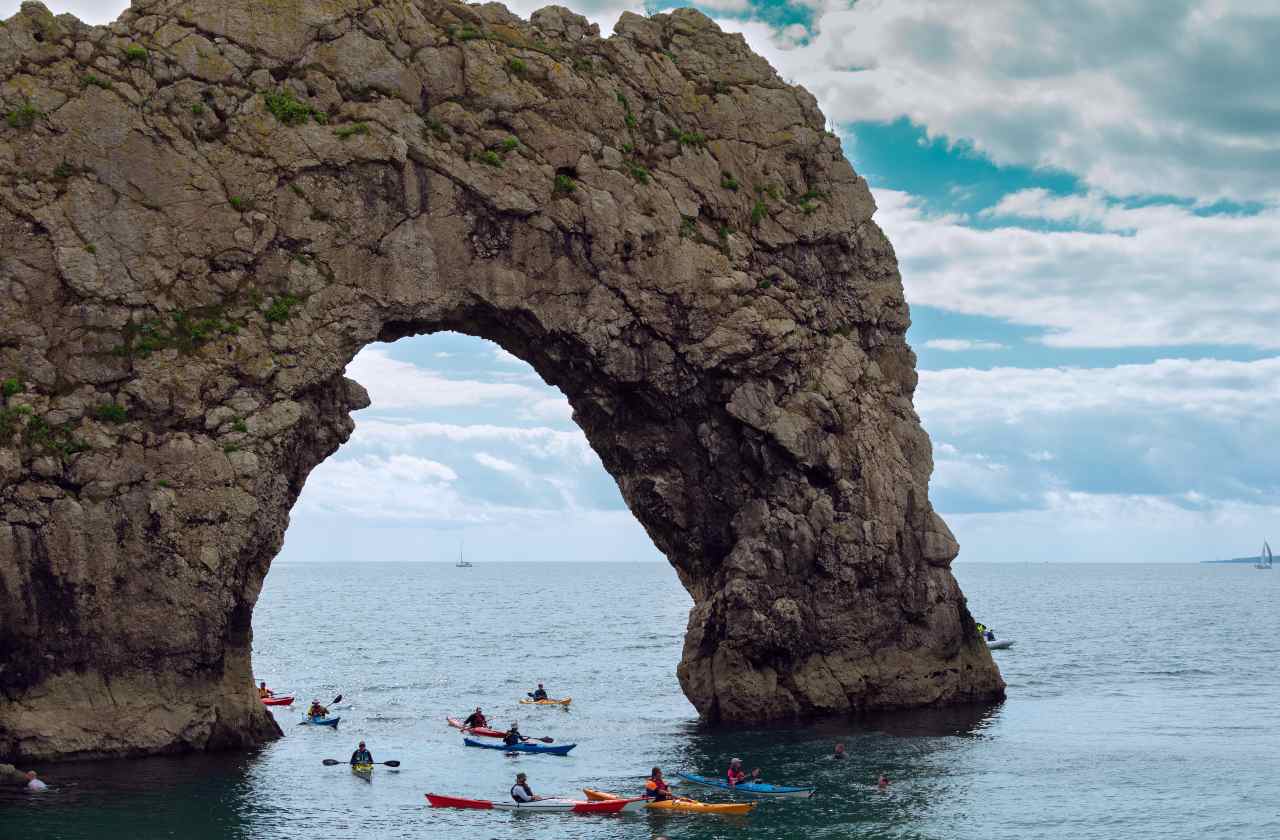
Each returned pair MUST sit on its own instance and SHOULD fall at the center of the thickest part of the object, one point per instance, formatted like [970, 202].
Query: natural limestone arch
[208, 207]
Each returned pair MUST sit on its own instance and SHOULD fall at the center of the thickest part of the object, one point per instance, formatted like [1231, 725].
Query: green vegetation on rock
[288, 110]
[24, 116]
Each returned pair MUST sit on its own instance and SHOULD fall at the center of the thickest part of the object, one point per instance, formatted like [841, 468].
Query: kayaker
[521, 792]
[361, 755]
[655, 787]
[264, 692]
[513, 736]
[736, 774]
[476, 720]
[991, 635]
[316, 710]
[982, 628]
[883, 782]
[839, 753]
[34, 784]
[540, 693]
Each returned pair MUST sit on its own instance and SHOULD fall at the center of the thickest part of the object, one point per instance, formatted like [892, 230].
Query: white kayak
[1000, 644]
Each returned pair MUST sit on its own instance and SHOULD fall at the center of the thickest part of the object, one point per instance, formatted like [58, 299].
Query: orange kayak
[687, 806]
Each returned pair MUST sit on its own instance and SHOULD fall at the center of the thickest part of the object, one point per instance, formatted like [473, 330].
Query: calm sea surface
[1144, 702]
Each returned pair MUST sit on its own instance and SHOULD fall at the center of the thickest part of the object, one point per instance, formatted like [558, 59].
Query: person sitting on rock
[655, 787]
[34, 784]
[264, 692]
[361, 755]
[316, 710]
[513, 736]
[540, 694]
[475, 720]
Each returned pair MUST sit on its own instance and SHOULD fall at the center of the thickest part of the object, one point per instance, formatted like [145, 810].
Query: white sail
[1265, 559]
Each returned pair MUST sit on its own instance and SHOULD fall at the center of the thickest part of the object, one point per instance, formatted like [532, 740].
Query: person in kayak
[513, 736]
[316, 710]
[475, 720]
[655, 787]
[883, 782]
[521, 792]
[539, 694]
[737, 775]
[33, 783]
[990, 634]
[361, 755]
[264, 692]
[839, 753]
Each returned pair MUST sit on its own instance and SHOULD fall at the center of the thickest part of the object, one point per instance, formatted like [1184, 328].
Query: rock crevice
[208, 207]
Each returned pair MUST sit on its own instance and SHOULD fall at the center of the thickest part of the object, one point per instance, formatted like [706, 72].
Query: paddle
[330, 762]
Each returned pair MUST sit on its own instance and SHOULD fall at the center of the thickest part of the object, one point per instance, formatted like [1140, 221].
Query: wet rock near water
[208, 207]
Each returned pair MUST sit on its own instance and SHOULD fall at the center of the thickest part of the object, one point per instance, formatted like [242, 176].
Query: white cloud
[957, 345]
[495, 463]
[393, 384]
[1085, 527]
[1144, 97]
[540, 442]
[1207, 388]
[1153, 276]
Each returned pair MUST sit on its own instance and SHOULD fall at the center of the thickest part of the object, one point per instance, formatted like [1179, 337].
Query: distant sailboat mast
[461, 564]
[1265, 559]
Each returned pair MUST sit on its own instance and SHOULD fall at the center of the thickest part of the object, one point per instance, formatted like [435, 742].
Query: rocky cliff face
[208, 207]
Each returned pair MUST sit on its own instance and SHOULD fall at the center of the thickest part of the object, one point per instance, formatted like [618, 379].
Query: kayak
[572, 805]
[566, 701]
[750, 788]
[1000, 644]
[278, 701]
[314, 721]
[558, 749]
[687, 806]
[364, 771]
[482, 731]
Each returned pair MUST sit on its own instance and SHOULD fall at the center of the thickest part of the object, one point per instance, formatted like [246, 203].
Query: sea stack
[209, 207]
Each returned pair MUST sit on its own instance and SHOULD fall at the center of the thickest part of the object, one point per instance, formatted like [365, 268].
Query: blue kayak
[749, 788]
[558, 749]
[318, 721]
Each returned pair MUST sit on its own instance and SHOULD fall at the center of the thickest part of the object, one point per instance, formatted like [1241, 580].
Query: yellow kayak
[687, 806]
[566, 701]
[364, 771]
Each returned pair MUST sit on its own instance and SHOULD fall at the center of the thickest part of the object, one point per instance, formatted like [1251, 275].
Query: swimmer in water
[883, 782]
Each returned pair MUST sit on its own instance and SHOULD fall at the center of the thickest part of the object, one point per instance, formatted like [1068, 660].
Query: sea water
[1144, 702]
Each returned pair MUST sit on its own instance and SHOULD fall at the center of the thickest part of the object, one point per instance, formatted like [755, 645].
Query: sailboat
[461, 564]
[1264, 557]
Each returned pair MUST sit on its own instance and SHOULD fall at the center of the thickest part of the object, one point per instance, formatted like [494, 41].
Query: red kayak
[278, 701]
[482, 731]
[573, 806]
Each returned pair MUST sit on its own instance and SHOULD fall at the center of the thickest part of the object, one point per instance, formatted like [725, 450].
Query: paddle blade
[336, 700]
[546, 740]
[392, 763]
[329, 762]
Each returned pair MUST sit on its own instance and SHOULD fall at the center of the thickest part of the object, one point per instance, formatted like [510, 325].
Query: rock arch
[208, 207]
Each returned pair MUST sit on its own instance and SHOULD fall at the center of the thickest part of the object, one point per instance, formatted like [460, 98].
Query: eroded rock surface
[208, 207]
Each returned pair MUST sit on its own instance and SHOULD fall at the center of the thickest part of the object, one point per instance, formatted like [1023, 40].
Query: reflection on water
[1156, 723]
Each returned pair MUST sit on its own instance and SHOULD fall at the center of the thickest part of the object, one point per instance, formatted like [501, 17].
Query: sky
[1085, 205]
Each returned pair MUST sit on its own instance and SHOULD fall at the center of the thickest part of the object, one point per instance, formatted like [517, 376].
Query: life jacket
[540, 694]
[511, 738]
[657, 789]
[735, 778]
[361, 757]
[527, 791]
[476, 721]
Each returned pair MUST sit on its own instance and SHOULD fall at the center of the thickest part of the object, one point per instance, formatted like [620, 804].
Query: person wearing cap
[361, 755]
[539, 694]
[521, 792]
[513, 736]
[737, 775]
[316, 710]
[476, 719]
[34, 784]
